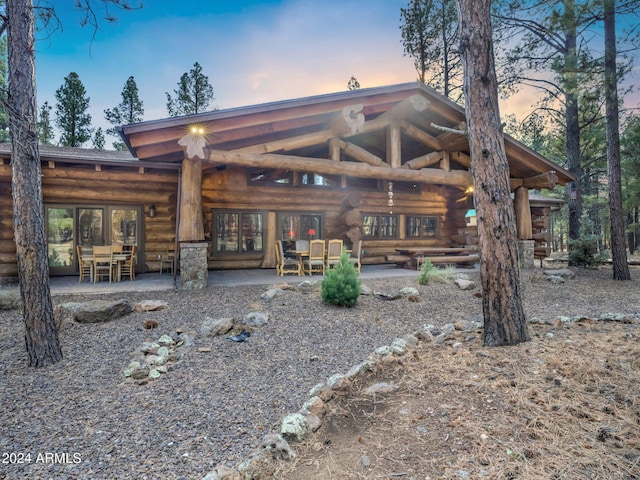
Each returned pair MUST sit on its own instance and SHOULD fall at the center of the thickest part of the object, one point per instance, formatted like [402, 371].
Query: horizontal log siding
[228, 189]
[86, 186]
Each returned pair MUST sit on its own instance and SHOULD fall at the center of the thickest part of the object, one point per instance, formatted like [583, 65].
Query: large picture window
[238, 232]
[422, 227]
[380, 226]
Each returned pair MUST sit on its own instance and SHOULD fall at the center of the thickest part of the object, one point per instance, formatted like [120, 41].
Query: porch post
[193, 249]
[524, 228]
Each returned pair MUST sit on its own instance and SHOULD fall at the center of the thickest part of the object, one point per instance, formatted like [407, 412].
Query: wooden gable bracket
[420, 135]
[547, 180]
[422, 161]
[356, 152]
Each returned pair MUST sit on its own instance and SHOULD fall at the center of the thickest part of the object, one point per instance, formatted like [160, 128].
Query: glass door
[60, 240]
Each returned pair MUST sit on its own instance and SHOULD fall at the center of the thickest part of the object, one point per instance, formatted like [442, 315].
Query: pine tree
[71, 112]
[430, 37]
[129, 111]
[353, 83]
[45, 130]
[4, 118]
[193, 95]
[98, 139]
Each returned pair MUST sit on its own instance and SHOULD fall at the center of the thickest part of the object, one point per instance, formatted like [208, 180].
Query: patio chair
[315, 261]
[102, 262]
[85, 267]
[357, 251]
[128, 267]
[285, 265]
[334, 250]
[166, 261]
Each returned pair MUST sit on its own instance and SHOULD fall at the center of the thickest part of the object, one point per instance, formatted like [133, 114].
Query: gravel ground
[82, 419]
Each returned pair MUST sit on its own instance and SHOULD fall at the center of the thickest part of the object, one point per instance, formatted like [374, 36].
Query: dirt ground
[564, 406]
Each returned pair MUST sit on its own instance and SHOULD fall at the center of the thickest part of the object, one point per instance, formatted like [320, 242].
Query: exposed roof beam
[459, 178]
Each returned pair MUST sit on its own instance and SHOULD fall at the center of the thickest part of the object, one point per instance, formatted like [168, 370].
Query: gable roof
[429, 121]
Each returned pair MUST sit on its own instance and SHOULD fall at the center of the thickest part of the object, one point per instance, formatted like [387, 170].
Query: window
[269, 176]
[238, 232]
[317, 180]
[423, 227]
[296, 226]
[380, 226]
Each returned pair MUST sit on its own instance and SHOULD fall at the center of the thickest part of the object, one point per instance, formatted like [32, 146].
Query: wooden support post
[394, 145]
[523, 213]
[191, 226]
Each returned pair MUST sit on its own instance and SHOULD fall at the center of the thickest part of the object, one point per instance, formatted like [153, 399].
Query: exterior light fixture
[152, 211]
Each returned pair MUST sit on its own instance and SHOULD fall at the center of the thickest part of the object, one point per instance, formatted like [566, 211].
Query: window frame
[242, 247]
[422, 218]
[380, 227]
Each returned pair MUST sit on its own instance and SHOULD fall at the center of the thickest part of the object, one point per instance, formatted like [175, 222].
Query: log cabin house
[387, 165]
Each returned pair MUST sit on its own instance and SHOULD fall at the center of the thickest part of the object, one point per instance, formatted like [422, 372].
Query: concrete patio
[220, 278]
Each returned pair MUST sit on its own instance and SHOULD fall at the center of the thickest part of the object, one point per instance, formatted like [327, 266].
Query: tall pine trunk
[504, 318]
[616, 213]
[572, 118]
[41, 336]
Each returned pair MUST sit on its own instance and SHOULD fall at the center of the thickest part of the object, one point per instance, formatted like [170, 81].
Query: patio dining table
[118, 258]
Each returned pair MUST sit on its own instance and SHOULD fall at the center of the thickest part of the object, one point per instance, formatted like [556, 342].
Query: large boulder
[100, 311]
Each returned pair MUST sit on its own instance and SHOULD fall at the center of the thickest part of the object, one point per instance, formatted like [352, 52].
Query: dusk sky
[253, 51]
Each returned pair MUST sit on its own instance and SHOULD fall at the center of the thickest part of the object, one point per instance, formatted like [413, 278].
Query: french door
[69, 226]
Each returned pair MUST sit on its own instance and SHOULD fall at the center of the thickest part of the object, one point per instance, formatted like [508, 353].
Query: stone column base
[194, 271]
[525, 253]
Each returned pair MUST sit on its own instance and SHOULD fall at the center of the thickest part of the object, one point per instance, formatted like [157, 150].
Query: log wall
[228, 189]
[83, 186]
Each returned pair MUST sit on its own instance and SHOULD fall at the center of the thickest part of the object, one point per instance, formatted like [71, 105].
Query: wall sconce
[152, 211]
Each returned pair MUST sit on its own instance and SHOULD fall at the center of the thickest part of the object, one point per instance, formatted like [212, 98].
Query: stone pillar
[525, 253]
[194, 271]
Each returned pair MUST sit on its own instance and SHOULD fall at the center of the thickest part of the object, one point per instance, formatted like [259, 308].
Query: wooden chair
[334, 250]
[357, 250]
[117, 248]
[102, 262]
[128, 268]
[167, 261]
[315, 261]
[285, 265]
[84, 266]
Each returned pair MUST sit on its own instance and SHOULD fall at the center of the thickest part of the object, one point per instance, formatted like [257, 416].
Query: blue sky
[253, 51]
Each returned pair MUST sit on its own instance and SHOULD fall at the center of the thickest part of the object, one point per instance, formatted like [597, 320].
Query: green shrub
[584, 250]
[341, 285]
[429, 273]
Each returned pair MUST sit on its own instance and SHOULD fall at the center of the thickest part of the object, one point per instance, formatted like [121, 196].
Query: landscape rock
[555, 279]
[256, 319]
[565, 273]
[339, 383]
[366, 290]
[387, 295]
[215, 327]
[294, 428]
[380, 387]
[100, 311]
[464, 284]
[150, 305]
[308, 286]
[271, 294]
[409, 292]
